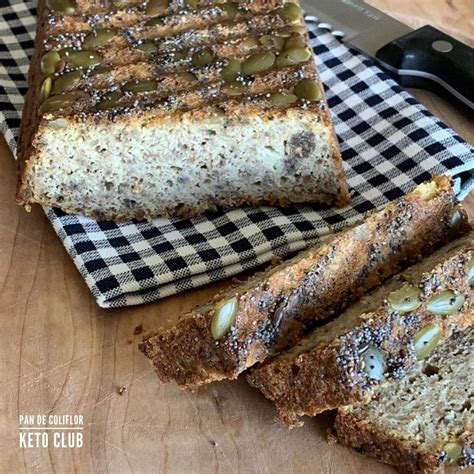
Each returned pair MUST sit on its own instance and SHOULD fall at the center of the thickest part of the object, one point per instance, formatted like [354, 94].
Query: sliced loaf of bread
[170, 107]
[274, 309]
[376, 339]
[423, 422]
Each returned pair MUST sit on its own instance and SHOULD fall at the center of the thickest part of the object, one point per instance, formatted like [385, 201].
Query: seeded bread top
[175, 55]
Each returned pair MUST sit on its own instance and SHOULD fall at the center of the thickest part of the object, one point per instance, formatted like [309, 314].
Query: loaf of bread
[175, 107]
[274, 309]
[376, 339]
[423, 422]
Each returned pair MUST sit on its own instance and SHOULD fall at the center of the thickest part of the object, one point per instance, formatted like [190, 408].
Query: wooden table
[61, 354]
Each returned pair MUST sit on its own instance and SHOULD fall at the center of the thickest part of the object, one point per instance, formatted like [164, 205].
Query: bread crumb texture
[424, 421]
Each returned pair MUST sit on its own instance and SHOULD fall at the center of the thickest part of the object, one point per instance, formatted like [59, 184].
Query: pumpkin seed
[405, 299]
[470, 272]
[64, 52]
[58, 102]
[258, 62]
[67, 82]
[156, 7]
[248, 44]
[235, 89]
[98, 38]
[49, 62]
[308, 89]
[187, 77]
[445, 303]
[191, 3]
[453, 452]
[45, 89]
[290, 12]
[136, 87]
[272, 41]
[109, 101]
[231, 9]
[201, 58]
[62, 6]
[287, 31]
[374, 363]
[101, 70]
[148, 48]
[82, 59]
[293, 56]
[457, 220]
[177, 56]
[231, 70]
[282, 98]
[426, 339]
[300, 29]
[294, 42]
[225, 314]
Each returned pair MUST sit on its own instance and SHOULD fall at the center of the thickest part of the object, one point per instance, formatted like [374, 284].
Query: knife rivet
[442, 46]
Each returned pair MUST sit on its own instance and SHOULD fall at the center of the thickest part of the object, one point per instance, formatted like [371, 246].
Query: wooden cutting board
[62, 355]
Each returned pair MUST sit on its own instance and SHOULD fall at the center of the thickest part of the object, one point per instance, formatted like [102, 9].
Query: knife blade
[425, 58]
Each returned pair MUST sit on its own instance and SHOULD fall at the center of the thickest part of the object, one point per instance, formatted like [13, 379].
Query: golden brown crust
[29, 118]
[276, 309]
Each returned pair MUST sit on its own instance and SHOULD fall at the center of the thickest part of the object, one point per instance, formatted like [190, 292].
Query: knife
[425, 58]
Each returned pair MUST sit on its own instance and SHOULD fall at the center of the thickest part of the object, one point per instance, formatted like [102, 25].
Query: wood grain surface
[61, 354]
[455, 17]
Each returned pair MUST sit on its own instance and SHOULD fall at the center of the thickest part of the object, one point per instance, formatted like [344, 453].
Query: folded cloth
[389, 144]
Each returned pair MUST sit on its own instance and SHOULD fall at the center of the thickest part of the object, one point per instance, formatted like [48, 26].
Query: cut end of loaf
[183, 166]
[417, 423]
[175, 108]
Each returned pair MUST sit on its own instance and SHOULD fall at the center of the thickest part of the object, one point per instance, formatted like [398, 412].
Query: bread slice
[376, 339]
[274, 309]
[423, 422]
[174, 107]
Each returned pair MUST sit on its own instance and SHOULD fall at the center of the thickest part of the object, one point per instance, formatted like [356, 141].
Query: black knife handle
[430, 59]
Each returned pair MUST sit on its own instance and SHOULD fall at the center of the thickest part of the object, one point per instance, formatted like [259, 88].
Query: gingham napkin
[389, 144]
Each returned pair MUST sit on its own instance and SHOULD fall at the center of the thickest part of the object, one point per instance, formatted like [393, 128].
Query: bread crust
[366, 439]
[277, 308]
[407, 457]
[31, 148]
[29, 118]
[331, 374]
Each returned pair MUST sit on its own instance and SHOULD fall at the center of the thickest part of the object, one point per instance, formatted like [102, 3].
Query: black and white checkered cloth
[389, 144]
